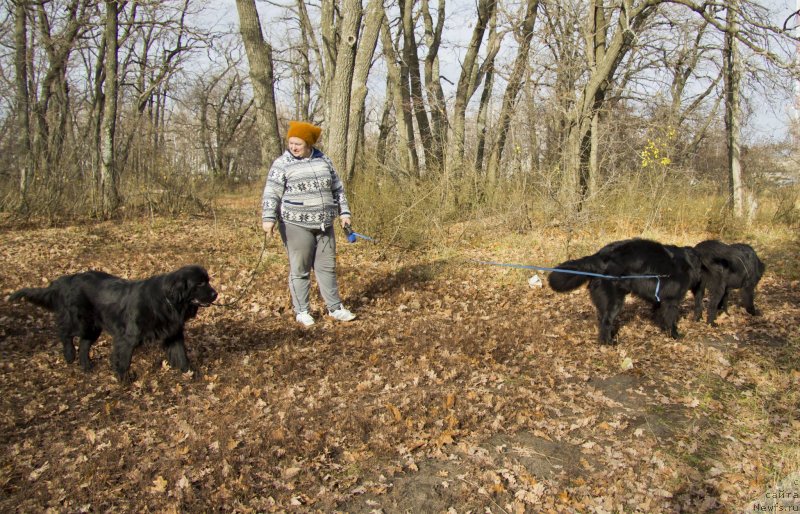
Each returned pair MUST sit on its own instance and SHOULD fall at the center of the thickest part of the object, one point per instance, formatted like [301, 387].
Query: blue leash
[575, 272]
[353, 235]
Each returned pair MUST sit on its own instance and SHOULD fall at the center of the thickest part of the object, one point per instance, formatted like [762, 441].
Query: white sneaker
[304, 318]
[342, 314]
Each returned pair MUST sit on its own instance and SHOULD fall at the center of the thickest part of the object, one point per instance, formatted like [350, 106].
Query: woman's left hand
[346, 221]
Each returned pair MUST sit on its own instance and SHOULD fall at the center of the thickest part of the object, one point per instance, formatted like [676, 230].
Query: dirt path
[459, 389]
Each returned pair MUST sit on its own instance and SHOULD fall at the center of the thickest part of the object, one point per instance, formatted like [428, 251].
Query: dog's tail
[564, 281]
[45, 297]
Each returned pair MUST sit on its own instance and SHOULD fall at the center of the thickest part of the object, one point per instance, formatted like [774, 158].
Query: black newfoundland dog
[133, 312]
[727, 267]
[678, 269]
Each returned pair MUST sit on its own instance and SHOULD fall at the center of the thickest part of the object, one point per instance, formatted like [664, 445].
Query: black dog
[153, 309]
[678, 268]
[727, 267]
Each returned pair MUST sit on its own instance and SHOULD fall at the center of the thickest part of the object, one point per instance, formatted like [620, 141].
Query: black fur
[679, 265]
[727, 267]
[133, 312]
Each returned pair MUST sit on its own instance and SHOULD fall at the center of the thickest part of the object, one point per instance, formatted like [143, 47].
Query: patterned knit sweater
[305, 192]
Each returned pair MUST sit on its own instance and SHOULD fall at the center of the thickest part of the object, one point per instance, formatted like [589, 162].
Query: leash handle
[352, 235]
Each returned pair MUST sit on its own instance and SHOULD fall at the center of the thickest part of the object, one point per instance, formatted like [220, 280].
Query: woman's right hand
[268, 226]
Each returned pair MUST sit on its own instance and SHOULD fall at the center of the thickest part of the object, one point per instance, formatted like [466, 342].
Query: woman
[303, 195]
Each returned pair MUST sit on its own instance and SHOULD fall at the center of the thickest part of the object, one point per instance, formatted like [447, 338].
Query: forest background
[553, 111]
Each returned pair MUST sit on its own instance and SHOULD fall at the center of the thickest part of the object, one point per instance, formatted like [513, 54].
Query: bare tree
[433, 85]
[302, 69]
[467, 85]
[733, 111]
[259, 54]
[406, 146]
[222, 107]
[50, 108]
[109, 181]
[630, 19]
[342, 83]
[747, 26]
[412, 67]
[22, 96]
[363, 64]
[515, 82]
[486, 96]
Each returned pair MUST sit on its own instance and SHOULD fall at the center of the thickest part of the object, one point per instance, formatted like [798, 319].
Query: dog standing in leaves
[726, 267]
[132, 311]
[677, 268]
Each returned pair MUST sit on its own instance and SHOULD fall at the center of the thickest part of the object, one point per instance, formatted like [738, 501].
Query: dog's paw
[126, 378]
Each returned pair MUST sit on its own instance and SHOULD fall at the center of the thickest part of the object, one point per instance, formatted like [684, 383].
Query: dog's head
[188, 289]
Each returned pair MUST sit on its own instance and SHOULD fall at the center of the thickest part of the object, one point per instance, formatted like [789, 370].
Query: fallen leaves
[465, 384]
[159, 485]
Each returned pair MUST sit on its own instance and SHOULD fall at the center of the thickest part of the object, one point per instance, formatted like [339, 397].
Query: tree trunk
[483, 113]
[302, 72]
[22, 101]
[596, 46]
[259, 55]
[366, 50]
[46, 143]
[109, 182]
[309, 44]
[513, 88]
[433, 85]
[406, 146]
[411, 60]
[486, 73]
[385, 126]
[733, 114]
[577, 154]
[464, 89]
[336, 141]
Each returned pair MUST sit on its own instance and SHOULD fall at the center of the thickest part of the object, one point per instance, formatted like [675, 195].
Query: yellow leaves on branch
[656, 152]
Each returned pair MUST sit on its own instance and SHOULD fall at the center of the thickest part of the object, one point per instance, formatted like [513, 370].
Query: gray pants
[307, 249]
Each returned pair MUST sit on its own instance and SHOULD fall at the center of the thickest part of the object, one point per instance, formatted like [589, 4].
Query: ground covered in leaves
[459, 388]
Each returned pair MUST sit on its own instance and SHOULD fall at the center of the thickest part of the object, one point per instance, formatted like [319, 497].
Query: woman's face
[298, 147]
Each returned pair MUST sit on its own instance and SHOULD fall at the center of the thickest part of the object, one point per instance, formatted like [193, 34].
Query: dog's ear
[176, 288]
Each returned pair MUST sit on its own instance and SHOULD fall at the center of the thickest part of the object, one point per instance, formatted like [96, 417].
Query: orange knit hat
[305, 131]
